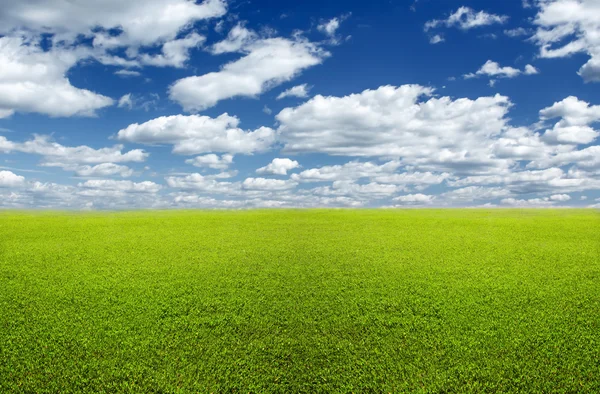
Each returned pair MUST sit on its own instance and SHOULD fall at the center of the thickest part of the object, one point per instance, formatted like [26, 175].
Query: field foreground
[300, 301]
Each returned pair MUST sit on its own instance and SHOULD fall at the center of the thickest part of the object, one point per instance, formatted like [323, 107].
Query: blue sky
[243, 104]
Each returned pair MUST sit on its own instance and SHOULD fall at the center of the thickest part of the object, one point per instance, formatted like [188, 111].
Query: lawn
[300, 301]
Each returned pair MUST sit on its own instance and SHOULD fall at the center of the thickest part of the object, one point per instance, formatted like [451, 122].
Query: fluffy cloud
[138, 22]
[532, 202]
[175, 53]
[414, 199]
[103, 170]
[493, 69]
[466, 18]
[196, 134]
[566, 27]
[364, 192]
[347, 172]
[57, 155]
[329, 27]
[296, 91]
[238, 38]
[212, 161]
[266, 64]
[437, 134]
[122, 186]
[278, 167]
[34, 80]
[573, 128]
[10, 179]
[201, 183]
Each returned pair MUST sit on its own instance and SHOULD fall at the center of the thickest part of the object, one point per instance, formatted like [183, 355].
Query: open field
[300, 301]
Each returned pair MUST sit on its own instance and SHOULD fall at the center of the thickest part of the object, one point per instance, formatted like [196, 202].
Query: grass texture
[293, 301]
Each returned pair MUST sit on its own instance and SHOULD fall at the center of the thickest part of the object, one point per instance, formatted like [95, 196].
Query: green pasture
[300, 301]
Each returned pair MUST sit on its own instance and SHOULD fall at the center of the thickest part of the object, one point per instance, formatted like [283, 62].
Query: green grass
[300, 301]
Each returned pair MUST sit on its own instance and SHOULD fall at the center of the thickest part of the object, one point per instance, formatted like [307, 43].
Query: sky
[159, 104]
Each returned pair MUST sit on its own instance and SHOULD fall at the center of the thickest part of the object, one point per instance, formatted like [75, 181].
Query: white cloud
[296, 91]
[530, 70]
[493, 69]
[474, 193]
[205, 184]
[128, 73]
[566, 27]
[103, 170]
[126, 101]
[122, 186]
[34, 80]
[414, 199]
[436, 39]
[196, 134]
[212, 161]
[175, 53]
[268, 184]
[466, 18]
[268, 63]
[357, 191]
[10, 179]
[532, 202]
[278, 167]
[574, 126]
[437, 134]
[329, 27]
[517, 32]
[55, 154]
[238, 38]
[139, 22]
[560, 197]
[351, 171]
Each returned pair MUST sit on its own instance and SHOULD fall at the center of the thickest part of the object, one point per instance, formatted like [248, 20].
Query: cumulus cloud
[34, 80]
[212, 161]
[437, 134]
[55, 154]
[42, 41]
[195, 134]
[300, 91]
[238, 38]
[278, 167]
[205, 184]
[466, 18]
[122, 186]
[532, 202]
[566, 27]
[351, 171]
[560, 197]
[414, 199]
[102, 170]
[267, 63]
[139, 22]
[574, 126]
[493, 69]
[10, 179]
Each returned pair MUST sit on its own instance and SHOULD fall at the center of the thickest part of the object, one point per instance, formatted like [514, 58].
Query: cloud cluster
[466, 18]
[195, 134]
[566, 27]
[266, 63]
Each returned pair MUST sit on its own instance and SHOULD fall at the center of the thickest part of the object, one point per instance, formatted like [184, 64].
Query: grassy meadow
[292, 301]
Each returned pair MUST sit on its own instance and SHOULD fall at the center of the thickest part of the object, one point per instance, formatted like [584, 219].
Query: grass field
[300, 301]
